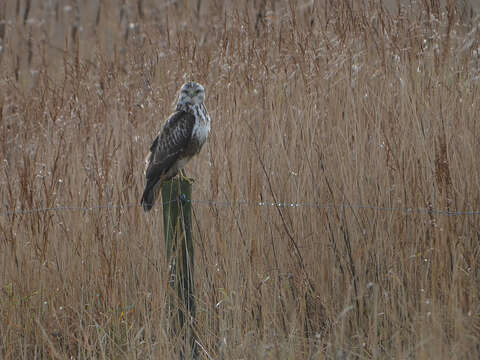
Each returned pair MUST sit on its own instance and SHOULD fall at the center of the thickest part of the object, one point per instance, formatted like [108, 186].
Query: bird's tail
[148, 197]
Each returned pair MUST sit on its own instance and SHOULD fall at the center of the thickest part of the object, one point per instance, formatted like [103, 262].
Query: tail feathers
[148, 197]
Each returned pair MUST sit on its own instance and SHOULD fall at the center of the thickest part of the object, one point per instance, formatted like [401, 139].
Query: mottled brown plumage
[182, 136]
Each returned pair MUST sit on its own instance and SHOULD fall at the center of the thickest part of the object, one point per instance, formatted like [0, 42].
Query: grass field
[369, 111]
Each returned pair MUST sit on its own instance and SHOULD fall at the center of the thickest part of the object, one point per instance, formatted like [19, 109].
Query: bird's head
[191, 93]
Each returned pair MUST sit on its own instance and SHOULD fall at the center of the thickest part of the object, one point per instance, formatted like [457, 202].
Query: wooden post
[177, 221]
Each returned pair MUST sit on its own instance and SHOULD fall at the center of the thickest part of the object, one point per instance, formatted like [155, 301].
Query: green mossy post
[177, 221]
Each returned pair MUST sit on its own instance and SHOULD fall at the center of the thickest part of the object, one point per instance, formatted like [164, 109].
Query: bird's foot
[183, 176]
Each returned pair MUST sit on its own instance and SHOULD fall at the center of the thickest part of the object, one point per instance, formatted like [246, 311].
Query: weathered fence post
[177, 220]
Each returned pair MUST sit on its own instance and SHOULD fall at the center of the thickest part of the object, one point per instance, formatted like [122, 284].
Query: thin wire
[342, 205]
[325, 206]
[72, 208]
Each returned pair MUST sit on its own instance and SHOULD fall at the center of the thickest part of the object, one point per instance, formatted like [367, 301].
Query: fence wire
[230, 203]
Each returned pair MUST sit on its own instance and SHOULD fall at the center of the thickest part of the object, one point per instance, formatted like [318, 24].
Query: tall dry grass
[347, 103]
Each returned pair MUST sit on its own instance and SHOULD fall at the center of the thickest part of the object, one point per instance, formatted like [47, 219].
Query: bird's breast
[202, 124]
[200, 132]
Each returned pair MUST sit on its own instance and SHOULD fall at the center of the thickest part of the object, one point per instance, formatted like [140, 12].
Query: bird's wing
[170, 144]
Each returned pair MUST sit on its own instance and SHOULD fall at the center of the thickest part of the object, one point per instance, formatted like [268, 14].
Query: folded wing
[167, 151]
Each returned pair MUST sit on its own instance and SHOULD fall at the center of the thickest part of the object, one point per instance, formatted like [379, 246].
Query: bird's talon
[187, 179]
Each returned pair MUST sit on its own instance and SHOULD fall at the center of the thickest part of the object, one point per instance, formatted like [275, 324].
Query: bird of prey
[181, 137]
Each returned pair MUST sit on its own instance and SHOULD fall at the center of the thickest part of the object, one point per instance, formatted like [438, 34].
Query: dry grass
[322, 102]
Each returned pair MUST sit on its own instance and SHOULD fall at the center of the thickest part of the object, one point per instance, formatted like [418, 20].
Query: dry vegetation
[329, 102]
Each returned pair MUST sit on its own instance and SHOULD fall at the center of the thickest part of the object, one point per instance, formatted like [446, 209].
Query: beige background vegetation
[365, 114]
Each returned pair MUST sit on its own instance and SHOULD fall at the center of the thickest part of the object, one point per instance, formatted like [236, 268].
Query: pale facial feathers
[191, 93]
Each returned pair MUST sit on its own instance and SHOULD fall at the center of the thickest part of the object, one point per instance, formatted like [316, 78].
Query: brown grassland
[365, 114]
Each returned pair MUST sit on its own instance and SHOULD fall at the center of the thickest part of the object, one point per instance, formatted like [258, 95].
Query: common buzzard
[181, 137]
